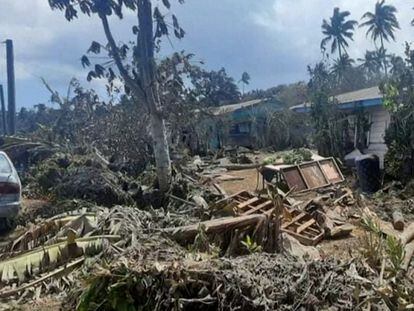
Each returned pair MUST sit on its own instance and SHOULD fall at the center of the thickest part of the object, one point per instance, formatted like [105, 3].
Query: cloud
[297, 27]
[273, 40]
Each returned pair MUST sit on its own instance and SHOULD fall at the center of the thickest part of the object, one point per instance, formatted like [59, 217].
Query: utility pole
[11, 87]
[3, 110]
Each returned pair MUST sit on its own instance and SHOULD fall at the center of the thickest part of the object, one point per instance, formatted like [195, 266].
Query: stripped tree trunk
[161, 152]
[147, 69]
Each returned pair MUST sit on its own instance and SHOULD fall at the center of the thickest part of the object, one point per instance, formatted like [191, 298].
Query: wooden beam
[217, 226]
[294, 219]
[257, 208]
[304, 226]
[248, 202]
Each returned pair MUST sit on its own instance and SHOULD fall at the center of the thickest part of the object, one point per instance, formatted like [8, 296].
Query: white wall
[379, 119]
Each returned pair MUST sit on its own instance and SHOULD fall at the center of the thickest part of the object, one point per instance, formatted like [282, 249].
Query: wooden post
[11, 87]
[398, 220]
[3, 110]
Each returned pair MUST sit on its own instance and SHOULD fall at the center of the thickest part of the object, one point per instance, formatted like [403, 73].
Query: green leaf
[99, 70]
[175, 22]
[166, 4]
[95, 48]
[85, 61]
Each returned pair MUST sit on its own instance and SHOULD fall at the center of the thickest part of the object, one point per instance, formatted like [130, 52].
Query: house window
[240, 128]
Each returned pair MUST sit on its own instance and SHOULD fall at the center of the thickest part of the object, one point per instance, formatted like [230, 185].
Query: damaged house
[369, 102]
[240, 124]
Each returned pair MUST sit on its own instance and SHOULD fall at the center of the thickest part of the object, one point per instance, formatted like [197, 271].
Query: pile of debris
[254, 282]
[43, 256]
[196, 247]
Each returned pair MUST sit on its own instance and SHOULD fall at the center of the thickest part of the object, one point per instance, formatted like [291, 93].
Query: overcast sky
[273, 40]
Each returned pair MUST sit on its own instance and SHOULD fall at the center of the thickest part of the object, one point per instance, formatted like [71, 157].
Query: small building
[370, 100]
[240, 124]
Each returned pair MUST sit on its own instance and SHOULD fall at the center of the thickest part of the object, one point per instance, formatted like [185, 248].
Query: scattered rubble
[199, 247]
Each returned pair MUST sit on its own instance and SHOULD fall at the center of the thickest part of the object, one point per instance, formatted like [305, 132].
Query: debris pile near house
[197, 246]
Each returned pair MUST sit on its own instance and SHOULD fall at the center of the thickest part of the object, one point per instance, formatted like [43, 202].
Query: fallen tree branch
[187, 234]
[181, 200]
[238, 167]
[398, 220]
[408, 234]
[62, 270]
[409, 252]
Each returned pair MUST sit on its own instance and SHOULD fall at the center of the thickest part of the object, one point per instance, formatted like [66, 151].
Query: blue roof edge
[351, 105]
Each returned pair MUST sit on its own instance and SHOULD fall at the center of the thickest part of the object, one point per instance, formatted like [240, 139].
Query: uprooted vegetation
[117, 227]
[180, 253]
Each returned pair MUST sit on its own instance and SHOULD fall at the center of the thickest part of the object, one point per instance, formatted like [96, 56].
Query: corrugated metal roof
[231, 108]
[350, 97]
[355, 96]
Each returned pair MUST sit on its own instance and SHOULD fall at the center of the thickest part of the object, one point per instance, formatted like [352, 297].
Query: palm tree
[338, 30]
[397, 65]
[245, 79]
[370, 63]
[340, 67]
[383, 57]
[381, 24]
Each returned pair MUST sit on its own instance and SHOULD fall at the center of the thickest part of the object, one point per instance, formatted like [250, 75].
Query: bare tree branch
[131, 83]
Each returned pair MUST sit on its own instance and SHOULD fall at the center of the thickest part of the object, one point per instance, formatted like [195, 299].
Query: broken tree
[140, 76]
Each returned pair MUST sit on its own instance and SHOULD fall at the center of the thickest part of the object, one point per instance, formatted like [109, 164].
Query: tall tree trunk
[161, 152]
[385, 56]
[339, 51]
[147, 69]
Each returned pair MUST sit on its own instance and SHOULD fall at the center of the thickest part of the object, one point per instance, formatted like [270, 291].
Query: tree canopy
[338, 30]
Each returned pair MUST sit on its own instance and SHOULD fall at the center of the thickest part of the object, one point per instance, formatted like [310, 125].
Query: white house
[370, 99]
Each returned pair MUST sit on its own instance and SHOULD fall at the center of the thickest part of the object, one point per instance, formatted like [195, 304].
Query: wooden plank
[226, 199]
[323, 173]
[313, 175]
[309, 241]
[330, 166]
[293, 178]
[313, 230]
[248, 202]
[257, 208]
[294, 219]
[214, 226]
[304, 226]
[303, 177]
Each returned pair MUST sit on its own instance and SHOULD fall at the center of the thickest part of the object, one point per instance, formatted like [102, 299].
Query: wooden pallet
[304, 228]
[248, 204]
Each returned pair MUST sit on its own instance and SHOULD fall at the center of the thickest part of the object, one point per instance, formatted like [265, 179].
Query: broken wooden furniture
[245, 203]
[303, 227]
[300, 225]
[303, 177]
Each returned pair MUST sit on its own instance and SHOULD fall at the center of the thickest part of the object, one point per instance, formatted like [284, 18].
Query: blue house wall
[253, 117]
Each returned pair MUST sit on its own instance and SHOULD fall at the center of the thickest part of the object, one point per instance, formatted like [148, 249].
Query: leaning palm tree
[338, 30]
[381, 24]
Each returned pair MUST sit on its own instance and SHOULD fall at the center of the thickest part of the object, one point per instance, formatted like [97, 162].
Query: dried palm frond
[46, 232]
[59, 272]
[48, 257]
